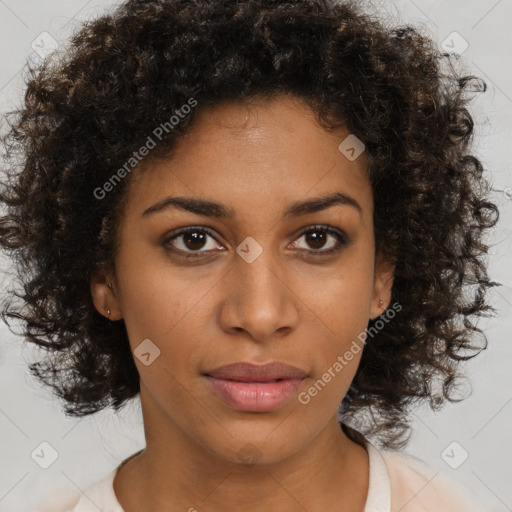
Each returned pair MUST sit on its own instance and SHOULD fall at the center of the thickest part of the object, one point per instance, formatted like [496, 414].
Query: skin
[257, 159]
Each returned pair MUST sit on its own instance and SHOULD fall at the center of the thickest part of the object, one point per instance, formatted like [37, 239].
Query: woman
[263, 217]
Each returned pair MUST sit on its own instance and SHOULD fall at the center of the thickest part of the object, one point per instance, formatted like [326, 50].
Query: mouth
[250, 372]
[254, 396]
[249, 387]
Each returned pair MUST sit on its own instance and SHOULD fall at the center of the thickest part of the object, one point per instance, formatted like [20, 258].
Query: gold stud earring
[110, 286]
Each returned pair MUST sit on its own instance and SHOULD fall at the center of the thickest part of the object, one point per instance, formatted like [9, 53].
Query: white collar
[379, 485]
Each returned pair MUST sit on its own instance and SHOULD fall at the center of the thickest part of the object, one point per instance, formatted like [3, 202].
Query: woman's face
[248, 286]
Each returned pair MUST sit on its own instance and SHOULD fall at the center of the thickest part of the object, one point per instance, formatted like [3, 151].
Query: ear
[105, 298]
[383, 283]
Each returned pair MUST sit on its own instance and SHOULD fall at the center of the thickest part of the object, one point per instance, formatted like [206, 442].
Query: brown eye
[192, 240]
[321, 239]
[316, 239]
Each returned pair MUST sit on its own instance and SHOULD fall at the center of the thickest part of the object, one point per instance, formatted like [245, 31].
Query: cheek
[337, 350]
[341, 297]
[157, 298]
[340, 313]
[171, 308]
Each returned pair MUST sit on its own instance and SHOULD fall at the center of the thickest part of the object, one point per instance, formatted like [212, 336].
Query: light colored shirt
[398, 482]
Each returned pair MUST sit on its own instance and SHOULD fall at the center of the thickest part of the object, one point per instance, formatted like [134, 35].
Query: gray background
[478, 428]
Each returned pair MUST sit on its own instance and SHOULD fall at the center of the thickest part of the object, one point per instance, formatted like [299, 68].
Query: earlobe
[104, 296]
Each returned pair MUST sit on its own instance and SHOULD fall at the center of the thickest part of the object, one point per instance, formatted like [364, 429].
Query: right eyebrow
[190, 204]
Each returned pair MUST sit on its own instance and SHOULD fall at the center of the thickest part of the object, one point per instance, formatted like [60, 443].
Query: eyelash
[341, 238]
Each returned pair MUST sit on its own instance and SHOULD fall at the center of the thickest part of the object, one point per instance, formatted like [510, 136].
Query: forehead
[254, 155]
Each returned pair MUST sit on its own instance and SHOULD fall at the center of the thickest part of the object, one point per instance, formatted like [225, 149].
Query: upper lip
[249, 372]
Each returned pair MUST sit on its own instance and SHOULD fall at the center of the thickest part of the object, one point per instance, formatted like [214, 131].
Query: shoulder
[417, 487]
[98, 496]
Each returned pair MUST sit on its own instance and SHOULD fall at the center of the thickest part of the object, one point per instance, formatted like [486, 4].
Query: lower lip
[254, 396]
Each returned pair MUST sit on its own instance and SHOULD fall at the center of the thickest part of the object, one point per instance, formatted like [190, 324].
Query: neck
[175, 472]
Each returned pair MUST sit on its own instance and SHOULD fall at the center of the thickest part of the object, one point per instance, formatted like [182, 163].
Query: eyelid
[339, 234]
[184, 231]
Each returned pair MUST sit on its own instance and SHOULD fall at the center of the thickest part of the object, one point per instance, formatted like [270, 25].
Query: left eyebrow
[212, 209]
[317, 204]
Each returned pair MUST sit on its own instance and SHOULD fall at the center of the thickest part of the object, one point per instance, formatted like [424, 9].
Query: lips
[249, 387]
[248, 372]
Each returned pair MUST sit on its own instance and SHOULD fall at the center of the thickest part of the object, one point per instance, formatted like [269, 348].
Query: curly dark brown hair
[86, 110]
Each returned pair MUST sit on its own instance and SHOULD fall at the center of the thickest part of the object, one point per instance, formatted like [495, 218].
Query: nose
[259, 300]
